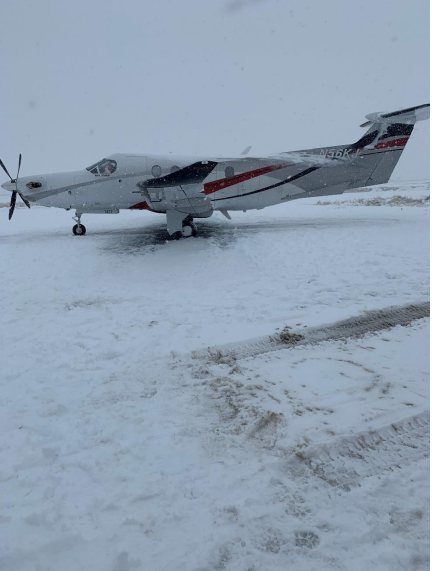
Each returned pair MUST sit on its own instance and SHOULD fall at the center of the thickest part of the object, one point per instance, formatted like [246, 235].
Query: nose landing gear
[79, 229]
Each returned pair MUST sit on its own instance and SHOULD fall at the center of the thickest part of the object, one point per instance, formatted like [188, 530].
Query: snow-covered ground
[123, 448]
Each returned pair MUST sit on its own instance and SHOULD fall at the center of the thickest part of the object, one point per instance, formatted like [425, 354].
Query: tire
[189, 229]
[79, 230]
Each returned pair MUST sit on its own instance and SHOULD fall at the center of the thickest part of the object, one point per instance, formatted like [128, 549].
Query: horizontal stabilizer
[406, 116]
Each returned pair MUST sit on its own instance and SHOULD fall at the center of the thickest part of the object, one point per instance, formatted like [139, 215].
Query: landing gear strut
[79, 229]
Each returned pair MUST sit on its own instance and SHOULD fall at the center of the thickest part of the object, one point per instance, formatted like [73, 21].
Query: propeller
[16, 191]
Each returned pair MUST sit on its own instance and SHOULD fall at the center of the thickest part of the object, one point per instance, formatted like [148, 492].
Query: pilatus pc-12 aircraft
[186, 188]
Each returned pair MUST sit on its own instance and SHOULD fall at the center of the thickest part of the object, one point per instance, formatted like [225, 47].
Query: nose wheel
[79, 229]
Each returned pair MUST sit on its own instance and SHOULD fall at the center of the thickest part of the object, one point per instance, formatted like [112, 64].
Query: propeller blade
[12, 204]
[19, 166]
[26, 202]
[5, 169]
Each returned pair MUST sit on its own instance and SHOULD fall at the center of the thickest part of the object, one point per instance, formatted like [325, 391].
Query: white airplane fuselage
[185, 187]
[86, 192]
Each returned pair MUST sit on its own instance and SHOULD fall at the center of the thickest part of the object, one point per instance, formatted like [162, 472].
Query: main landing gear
[79, 229]
[189, 229]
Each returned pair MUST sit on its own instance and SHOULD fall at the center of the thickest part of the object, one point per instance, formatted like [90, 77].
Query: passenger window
[156, 171]
[229, 172]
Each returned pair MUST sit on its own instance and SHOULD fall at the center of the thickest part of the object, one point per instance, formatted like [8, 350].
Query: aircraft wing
[192, 174]
[179, 191]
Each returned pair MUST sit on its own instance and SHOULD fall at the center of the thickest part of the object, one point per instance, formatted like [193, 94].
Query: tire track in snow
[353, 327]
[347, 462]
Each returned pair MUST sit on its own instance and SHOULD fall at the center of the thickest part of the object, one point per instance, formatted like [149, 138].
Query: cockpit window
[105, 167]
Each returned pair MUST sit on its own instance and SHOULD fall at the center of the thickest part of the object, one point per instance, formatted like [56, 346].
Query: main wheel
[189, 229]
[79, 229]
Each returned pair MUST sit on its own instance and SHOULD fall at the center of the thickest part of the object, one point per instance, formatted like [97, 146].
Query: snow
[122, 451]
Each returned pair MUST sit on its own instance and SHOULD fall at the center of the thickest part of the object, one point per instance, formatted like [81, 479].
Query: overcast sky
[84, 79]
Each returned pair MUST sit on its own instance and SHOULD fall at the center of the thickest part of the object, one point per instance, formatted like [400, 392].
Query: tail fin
[385, 140]
[389, 130]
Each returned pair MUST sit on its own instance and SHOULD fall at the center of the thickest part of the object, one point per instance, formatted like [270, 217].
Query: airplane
[186, 188]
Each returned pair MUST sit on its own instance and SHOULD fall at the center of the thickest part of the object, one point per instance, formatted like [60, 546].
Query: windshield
[105, 167]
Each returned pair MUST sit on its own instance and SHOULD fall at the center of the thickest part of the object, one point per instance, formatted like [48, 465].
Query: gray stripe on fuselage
[47, 193]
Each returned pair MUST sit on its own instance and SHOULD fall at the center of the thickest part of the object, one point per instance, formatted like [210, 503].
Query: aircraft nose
[8, 186]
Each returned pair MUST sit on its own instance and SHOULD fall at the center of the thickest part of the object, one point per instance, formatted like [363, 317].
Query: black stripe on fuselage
[365, 140]
[397, 130]
[280, 183]
[299, 175]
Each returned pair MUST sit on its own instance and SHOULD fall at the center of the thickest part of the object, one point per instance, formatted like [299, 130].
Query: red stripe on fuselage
[395, 143]
[140, 206]
[145, 206]
[210, 187]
